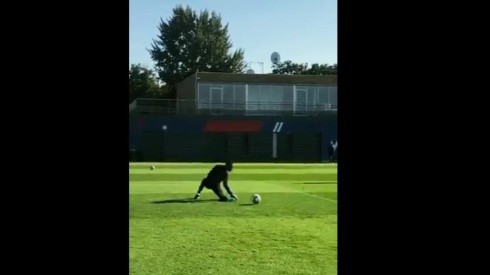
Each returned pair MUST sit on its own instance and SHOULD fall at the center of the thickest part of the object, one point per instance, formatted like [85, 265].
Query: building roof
[267, 78]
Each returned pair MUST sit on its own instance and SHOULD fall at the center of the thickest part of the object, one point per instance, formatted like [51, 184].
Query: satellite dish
[250, 71]
[275, 58]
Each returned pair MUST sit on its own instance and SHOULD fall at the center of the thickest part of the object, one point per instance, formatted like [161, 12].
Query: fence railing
[191, 107]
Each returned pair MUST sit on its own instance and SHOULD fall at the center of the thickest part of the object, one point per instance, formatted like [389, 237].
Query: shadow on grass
[184, 201]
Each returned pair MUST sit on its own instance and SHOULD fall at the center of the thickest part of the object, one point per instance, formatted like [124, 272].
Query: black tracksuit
[218, 174]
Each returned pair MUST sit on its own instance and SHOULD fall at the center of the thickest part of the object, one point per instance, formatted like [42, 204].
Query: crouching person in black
[218, 174]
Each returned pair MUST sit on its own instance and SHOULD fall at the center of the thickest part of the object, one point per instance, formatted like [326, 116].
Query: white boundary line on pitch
[308, 194]
[315, 196]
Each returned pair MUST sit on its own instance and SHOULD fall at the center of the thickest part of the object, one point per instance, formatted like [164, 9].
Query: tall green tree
[142, 83]
[189, 42]
[290, 68]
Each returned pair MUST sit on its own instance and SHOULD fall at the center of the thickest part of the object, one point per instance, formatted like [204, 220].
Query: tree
[142, 83]
[323, 69]
[188, 42]
[288, 67]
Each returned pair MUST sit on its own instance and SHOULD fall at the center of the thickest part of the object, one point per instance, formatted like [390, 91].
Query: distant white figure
[332, 148]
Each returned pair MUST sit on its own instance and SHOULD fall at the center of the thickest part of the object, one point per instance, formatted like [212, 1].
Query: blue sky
[300, 31]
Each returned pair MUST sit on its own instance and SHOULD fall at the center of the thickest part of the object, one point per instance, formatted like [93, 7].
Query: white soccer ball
[152, 167]
[256, 199]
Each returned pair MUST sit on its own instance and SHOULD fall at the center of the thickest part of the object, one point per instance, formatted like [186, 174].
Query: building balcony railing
[251, 108]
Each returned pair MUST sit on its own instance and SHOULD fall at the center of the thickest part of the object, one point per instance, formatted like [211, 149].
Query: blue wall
[326, 125]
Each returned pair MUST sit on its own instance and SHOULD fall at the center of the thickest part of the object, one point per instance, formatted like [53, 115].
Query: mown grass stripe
[202, 171]
[147, 165]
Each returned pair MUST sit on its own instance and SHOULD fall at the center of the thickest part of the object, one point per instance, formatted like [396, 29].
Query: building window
[228, 97]
[300, 100]
[240, 97]
[216, 100]
[257, 99]
[203, 96]
[332, 97]
[253, 99]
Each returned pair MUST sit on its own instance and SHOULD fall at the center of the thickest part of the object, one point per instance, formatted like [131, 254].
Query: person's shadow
[189, 200]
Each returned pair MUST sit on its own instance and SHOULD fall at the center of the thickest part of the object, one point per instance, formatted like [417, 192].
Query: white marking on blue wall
[275, 127]
[280, 127]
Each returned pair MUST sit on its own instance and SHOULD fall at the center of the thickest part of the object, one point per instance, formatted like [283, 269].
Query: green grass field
[292, 231]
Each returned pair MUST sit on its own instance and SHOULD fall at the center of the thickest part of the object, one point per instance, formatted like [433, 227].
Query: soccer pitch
[292, 231]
